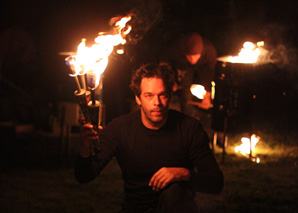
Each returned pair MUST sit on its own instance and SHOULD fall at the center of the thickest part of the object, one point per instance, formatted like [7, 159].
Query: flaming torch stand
[89, 63]
[82, 101]
[93, 113]
[94, 109]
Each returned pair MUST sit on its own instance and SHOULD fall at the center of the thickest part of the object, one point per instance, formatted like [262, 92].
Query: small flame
[198, 90]
[249, 54]
[248, 145]
[73, 65]
[120, 51]
[94, 60]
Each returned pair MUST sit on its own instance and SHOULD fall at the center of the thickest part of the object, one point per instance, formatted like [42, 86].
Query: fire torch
[87, 67]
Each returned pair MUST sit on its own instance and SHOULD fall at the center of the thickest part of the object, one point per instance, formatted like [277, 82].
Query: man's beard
[156, 119]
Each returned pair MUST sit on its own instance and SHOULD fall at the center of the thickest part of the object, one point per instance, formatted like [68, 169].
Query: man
[194, 61]
[163, 154]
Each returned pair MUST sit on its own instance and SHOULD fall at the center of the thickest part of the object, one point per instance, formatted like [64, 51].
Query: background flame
[249, 53]
[248, 145]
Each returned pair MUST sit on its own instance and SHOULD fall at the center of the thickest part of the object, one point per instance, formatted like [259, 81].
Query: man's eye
[163, 96]
[148, 96]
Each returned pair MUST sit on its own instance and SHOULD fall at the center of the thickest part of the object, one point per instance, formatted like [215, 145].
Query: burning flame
[198, 90]
[247, 146]
[249, 54]
[93, 60]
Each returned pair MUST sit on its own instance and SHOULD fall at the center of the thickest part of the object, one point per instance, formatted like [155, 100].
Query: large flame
[94, 60]
[198, 90]
[248, 145]
[249, 54]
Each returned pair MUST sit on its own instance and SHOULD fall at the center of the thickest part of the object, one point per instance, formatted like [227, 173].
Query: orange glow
[120, 51]
[249, 54]
[198, 90]
[248, 145]
[94, 60]
[212, 90]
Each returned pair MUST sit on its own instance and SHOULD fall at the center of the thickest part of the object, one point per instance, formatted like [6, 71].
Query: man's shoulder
[126, 119]
[184, 123]
[181, 118]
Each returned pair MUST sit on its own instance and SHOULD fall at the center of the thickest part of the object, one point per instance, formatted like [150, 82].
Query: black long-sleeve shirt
[141, 152]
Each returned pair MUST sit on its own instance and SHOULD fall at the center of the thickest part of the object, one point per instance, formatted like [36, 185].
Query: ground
[43, 180]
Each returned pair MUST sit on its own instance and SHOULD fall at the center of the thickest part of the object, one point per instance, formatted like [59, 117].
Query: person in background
[164, 155]
[194, 60]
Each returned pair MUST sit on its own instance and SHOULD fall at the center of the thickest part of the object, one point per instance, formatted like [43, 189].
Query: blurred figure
[194, 60]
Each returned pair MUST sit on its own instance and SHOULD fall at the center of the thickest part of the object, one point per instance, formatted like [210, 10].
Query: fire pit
[234, 96]
[236, 88]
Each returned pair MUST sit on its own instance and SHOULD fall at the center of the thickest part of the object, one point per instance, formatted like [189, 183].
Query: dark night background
[34, 76]
[34, 80]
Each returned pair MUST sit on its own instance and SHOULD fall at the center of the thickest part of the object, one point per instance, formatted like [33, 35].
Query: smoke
[285, 59]
[282, 56]
[145, 14]
[280, 48]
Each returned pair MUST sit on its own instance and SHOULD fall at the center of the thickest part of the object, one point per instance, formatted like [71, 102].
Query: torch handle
[91, 113]
[94, 114]
[93, 97]
[77, 83]
[94, 118]
[82, 100]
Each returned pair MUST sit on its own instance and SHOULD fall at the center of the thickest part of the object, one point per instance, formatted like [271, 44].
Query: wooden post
[214, 141]
[225, 138]
[62, 127]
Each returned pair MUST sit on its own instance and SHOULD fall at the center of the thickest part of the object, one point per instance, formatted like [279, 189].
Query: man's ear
[138, 100]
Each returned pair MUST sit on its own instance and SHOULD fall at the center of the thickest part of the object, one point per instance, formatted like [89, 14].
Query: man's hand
[87, 132]
[166, 175]
[205, 104]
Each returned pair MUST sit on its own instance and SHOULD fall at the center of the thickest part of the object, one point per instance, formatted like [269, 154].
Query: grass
[35, 185]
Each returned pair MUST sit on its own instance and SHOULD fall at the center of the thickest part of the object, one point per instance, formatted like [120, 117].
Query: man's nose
[156, 100]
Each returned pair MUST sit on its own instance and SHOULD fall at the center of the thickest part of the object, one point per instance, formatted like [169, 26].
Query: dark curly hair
[161, 70]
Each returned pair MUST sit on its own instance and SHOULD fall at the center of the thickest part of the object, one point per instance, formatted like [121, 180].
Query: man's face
[154, 101]
[193, 59]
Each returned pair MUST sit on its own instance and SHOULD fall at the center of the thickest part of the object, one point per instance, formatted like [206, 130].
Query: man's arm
[208, 178]
[84, 171]
[205, 104]
[166, 175]
[88, 167]
[87, 133]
